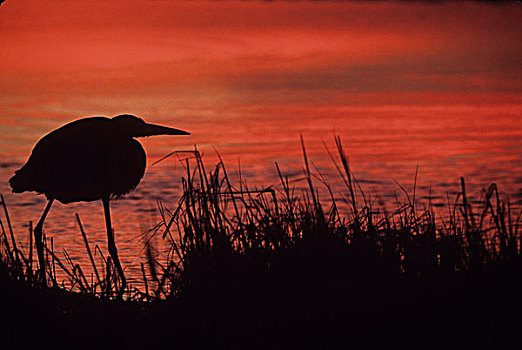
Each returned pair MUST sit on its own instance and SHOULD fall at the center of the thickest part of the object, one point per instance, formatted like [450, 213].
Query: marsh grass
[20, 266]
[249, 265]
[225, 234]
[228, 236]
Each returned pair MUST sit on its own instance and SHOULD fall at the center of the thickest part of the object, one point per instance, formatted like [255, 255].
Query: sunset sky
[240, 73]
[193, 61]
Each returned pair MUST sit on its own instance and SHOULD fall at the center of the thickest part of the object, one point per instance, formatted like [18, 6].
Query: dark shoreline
[465, 311]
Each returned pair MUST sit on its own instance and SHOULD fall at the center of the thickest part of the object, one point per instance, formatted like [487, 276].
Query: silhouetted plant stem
[88, 248]
[145, 279]
[15, 249]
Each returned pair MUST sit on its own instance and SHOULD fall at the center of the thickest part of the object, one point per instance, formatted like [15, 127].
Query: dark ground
[467, 311]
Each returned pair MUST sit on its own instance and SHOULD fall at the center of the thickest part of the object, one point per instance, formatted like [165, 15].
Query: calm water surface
[384, 146]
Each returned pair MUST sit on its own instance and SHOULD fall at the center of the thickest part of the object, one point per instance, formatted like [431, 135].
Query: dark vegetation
[280, 268]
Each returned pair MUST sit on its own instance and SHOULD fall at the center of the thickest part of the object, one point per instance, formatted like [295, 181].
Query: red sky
[193, 62]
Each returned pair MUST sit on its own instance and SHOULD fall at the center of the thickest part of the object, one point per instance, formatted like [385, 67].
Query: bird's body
[89, 159]
[85, 160]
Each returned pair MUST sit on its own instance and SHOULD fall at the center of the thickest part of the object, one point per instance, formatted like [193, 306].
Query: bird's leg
[39, 242]
[111, 244]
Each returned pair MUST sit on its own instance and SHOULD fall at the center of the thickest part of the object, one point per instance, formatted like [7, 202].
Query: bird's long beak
[153, 129]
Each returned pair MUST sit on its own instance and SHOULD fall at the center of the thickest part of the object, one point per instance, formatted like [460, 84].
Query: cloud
[214, 54]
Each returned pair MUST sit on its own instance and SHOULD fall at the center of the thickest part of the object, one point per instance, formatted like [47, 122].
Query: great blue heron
[86, 160]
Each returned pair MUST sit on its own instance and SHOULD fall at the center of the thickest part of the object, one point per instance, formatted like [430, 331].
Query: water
[480, 145]
[404, 85]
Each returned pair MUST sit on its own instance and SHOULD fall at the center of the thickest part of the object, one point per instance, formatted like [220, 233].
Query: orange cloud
[82, 56]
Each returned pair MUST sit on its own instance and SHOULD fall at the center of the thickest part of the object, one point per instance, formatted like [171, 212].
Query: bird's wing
[69, 156]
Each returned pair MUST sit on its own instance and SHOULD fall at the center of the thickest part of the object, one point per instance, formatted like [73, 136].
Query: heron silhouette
[95, 158]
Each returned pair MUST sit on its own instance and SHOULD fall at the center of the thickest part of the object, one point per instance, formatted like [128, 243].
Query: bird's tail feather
[19, 183]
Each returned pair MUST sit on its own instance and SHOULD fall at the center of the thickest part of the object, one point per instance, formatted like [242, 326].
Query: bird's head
[137, 127]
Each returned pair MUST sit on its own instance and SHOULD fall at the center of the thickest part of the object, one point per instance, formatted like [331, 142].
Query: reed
[247, 266]
[225, 235]
[229, 235]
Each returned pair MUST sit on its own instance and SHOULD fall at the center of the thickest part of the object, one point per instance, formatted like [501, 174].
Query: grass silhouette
[279, 268]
